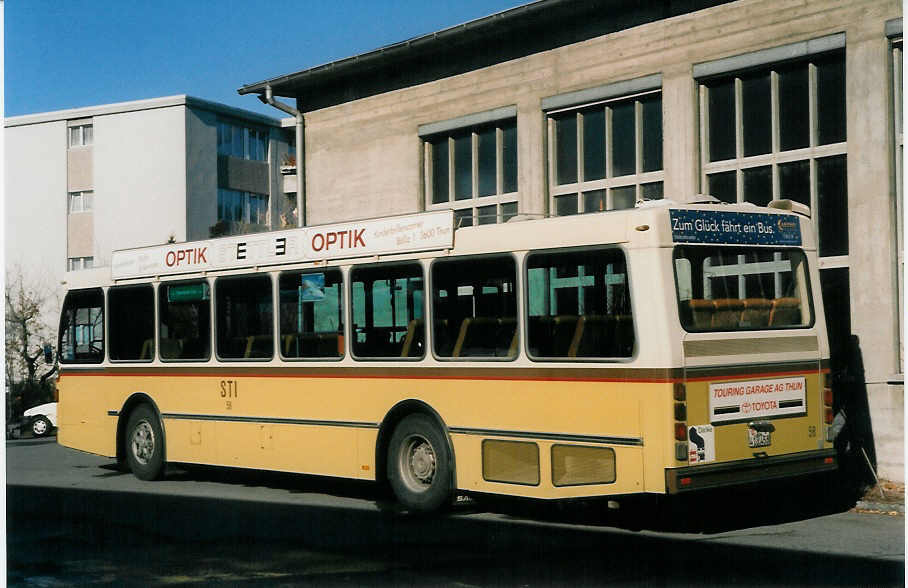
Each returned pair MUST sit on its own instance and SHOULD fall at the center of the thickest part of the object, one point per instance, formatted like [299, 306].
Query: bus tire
[144, 444]
[419, 464]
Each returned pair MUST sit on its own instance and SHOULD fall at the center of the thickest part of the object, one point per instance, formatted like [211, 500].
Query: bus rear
[753, 400]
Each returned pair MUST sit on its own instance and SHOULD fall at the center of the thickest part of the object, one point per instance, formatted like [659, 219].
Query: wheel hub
[422, 462]
[143, 442]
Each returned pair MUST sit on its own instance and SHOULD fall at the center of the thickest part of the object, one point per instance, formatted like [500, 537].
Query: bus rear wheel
[144, 444]
[420, 464]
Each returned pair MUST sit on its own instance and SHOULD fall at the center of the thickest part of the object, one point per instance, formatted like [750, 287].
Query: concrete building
[81, 183]
[563, 107]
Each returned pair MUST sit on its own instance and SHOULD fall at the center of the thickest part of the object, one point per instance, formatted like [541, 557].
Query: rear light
[680, 432]
[679, 392]
[685, 481]
[680, 411]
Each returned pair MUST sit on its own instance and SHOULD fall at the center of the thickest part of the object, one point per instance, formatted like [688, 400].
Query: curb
[879, 507]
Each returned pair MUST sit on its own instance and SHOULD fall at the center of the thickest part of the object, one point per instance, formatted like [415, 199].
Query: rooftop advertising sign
[401, 234]
[734, 228]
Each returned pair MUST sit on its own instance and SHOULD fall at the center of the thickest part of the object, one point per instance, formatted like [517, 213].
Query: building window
[779, 132]
[242, 207]
[474, 171]
[74, 264]
[81, 135]
[242, 142]
[81, 201]
[606, 155]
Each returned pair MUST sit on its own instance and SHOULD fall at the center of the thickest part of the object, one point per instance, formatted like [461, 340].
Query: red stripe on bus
[445, 377]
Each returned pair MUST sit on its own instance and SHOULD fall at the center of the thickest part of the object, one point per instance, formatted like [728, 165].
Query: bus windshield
[742, 289]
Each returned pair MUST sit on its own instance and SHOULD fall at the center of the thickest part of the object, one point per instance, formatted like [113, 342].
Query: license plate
[758, 438]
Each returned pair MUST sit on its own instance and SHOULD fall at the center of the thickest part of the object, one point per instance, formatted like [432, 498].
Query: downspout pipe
[268, 98]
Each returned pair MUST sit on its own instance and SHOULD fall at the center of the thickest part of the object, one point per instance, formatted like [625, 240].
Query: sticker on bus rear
[749, 399]
[701, 443]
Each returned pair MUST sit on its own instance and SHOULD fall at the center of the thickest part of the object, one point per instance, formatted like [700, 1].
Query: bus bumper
[701, 477]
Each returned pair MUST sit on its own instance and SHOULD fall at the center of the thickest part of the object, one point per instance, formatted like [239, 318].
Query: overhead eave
[501, 37]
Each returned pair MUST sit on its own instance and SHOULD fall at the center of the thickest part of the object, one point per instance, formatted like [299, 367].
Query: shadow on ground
[69, 536]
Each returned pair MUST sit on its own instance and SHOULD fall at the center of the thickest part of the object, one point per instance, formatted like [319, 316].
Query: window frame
[246, 199]
[61, 330]
[81, 133]
[807, 285]
[526, 305]
[85, 262]
[211, 321]
[249, 135]
[430, 301]
[351, 311]
[639, 179]
[896, 52]
[499, 199]
[813, 153]
[217, 314]
[154, 316]
[83, 197]
[344, 304]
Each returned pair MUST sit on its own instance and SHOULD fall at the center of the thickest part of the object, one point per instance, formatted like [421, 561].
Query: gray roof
[136, 105]
[511, 34]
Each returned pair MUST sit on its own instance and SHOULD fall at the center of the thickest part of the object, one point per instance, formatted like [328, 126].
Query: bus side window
[387, 306]
[131, 326]
[81, 335]
[474, 304]
[578, 304]
[184, 320]
[311, 314]
[244, 317]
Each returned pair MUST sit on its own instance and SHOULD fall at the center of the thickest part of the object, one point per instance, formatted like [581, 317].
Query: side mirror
[48, 353]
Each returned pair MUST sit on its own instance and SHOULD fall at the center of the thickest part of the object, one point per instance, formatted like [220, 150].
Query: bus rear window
[742, 289]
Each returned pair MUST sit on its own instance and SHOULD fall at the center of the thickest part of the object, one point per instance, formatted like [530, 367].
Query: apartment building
[560, 107]
[81, 183]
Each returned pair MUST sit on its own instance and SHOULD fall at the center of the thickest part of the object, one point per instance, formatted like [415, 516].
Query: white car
[41, 419]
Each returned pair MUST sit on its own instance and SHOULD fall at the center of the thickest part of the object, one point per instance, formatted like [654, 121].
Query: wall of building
[365, 158]
[34, 203]
[202, 173]
[140, 179]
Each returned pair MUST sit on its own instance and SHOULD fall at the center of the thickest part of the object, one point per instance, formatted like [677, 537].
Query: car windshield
[742, 288]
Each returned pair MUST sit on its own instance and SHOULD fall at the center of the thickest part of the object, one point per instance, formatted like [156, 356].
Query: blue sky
[70, 53]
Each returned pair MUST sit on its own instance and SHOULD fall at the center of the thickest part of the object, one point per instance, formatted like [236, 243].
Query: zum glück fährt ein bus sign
[734, 228]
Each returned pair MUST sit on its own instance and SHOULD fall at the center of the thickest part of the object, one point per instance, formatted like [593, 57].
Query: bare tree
[28, 306]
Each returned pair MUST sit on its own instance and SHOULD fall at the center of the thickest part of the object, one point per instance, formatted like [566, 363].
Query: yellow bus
[659, 350]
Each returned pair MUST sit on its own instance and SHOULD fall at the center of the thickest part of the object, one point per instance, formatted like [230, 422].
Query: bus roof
[656, 223]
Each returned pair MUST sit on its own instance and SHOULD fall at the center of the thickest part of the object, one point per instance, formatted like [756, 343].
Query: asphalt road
[75, 519]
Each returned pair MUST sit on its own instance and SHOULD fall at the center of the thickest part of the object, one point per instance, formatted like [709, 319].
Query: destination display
[401, 234]
[734, 228]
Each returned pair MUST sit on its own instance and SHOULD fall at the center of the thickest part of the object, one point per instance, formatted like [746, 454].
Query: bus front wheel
[145, 444]
[419, 464]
